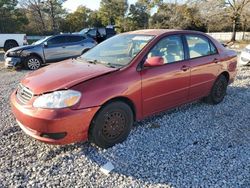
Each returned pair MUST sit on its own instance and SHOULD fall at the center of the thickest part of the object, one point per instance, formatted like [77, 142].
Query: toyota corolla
[98, 96]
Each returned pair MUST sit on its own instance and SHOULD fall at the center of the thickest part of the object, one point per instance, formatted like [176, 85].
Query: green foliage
[46, 17]
[12, 19]
[82, 18]
[112, 12]
[174, 16]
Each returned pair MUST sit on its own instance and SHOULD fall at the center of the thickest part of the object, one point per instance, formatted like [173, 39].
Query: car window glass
[92, 32]
[74, 39]
[169, 48]
[102, 31]
[198, 46]
[56, 40]
[213, 49]
[118, 50]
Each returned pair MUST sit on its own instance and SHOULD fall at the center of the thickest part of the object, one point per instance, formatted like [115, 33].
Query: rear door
[74, 45]
[55, 49]
[167, 85]
[203, 59]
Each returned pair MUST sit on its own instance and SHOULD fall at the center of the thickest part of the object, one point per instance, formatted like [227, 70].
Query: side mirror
[45, 44]
[154, 61]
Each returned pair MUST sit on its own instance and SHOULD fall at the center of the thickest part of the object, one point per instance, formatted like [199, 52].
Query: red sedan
[98, 96]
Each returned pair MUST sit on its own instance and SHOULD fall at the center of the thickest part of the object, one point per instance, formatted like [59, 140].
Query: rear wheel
[111, 125]
[33, 62]
[9, 44]
[218, 91]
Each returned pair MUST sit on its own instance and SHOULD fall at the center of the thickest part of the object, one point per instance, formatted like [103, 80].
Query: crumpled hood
[26, 47]
[63, 75]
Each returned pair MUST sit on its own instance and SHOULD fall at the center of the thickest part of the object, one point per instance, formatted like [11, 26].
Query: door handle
[216, 60]
[185, 68]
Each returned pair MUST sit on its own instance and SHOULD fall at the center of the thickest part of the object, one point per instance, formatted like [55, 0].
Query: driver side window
[169, 48]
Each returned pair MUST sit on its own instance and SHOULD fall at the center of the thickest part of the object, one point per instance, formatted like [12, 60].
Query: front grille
[23, 94]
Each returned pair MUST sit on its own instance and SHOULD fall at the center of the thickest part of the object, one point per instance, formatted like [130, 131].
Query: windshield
[40, 41]
[117, 51]
[84, 31]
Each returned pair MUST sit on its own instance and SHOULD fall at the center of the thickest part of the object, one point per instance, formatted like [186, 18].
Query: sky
[71, 5]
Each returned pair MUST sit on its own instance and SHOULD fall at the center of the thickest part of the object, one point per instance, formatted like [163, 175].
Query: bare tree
[35, 10]
[235, 10]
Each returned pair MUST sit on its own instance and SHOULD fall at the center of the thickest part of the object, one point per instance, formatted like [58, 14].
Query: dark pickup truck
[99, 34]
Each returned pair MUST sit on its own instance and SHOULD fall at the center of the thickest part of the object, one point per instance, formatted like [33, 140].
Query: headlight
[58, 99]
[15, 53]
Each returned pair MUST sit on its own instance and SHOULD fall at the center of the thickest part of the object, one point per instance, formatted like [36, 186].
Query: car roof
[68, 34]
[158, 32]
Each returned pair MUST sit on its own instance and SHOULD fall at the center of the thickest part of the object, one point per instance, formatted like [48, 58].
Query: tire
[218, 91]
[9, 44]
[33, 62]
[111, 125]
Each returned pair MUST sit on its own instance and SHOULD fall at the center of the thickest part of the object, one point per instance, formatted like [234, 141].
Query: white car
[244, 58]
[8, 41]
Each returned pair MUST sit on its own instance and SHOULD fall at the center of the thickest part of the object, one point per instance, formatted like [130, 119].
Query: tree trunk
[233, 38]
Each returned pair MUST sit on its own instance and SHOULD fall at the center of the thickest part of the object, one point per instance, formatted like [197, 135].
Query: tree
[235, 10]
[175, 16]
[54, 10]
[44, 15]
[112, 12]
[216, 14]
[83, 17]
[12, 19]
[138, 16]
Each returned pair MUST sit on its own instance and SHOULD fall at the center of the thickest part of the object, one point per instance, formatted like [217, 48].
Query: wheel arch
[126, 100]
[226, 74]
[11, 40]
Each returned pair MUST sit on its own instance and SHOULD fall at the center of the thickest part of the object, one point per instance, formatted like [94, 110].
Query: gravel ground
[196, 145]
[1, 56]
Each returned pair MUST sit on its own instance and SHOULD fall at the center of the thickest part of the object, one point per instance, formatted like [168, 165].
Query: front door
[55, 49]
[166, 86]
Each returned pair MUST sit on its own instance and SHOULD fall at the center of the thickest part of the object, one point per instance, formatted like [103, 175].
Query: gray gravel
[196, 145]
[1, 56]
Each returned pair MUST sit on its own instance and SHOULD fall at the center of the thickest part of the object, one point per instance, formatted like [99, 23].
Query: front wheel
[111, 125]
[33, 63]
[218, 91]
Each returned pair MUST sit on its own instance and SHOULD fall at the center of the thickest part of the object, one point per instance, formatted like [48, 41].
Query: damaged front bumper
[12, 61]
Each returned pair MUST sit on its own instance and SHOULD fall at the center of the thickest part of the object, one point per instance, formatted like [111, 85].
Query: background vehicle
[48, 50]
[126, 78]
[244, 58]
[8, 41]
[99, 34]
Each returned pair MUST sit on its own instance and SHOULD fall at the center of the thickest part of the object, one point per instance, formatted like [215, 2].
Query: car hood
[21, 48]
[63, 75]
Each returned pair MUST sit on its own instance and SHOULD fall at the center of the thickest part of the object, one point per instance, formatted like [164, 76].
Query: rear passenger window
[213, 48]
[199, 46]
[57, 40]
[92, 32]
[169, 48]
[75, 39]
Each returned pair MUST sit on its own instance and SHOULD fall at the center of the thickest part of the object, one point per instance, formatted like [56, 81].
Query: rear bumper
[71, 125]
[244, 58]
